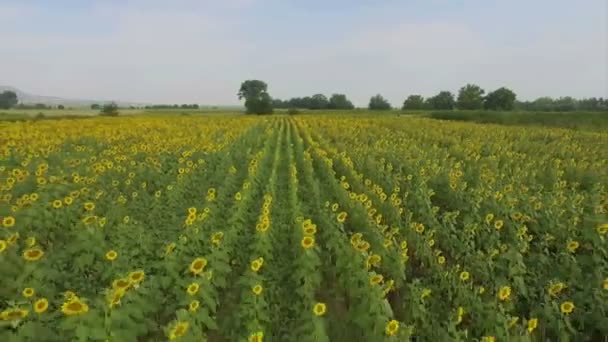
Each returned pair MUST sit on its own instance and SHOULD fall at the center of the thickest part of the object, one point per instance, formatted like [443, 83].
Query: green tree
[95, 106]
[500, 99]
[109, 109]
[470, 97]
[319, 101]
[60, 107]
[340, 101]
[379, 103]
[257, 99]
[413, 102]
[443, 100]
[8, 99]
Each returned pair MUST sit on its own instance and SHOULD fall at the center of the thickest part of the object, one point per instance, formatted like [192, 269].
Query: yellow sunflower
[257, 290]
[33, 254]
[504, 293]
[41, 305]
[256, 337]
[8, 222]
[198, 265]
[567, 307]
[308, 242]
[111, 255]
[392, 327]
[194, 305]
[137, 277]
[179, 330]
[28, 292]
[193, 289]
[341, 217]
[74, 307]
[319, 309]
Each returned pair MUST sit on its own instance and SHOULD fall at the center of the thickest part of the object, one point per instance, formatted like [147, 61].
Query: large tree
[340, 101]
[379, 103]
[8, 99]
[500, 99]
[413, 102]
[470, 97]
[257, 99]
[319, 101]
[443, 100]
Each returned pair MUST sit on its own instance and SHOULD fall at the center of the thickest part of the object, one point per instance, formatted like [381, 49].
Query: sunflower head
[392, 327]
[197, 266]
[319, 309]
[308, 242]
[41, 305]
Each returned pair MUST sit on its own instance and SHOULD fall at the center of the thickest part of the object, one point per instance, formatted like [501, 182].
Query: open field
[303, 228]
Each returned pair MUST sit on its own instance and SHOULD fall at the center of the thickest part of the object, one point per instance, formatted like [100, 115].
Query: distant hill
[27, 98]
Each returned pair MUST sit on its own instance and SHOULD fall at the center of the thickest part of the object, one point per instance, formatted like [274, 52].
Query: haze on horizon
[187, 51]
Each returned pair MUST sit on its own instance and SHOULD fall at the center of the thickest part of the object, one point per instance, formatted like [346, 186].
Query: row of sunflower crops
[301, 229]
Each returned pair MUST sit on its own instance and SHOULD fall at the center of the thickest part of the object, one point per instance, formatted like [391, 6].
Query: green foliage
[257, 99]
[95, 106]
[575, 120]
[378, 102]
[500, 99]
[8, 99]
[443, 100]
[339, 101]
[413, 102]
[109, 109]
[470, 97]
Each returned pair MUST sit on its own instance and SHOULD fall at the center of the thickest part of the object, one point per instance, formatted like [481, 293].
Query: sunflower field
[308, 228]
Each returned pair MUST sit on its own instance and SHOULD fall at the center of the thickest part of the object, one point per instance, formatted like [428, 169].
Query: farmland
[303, 228]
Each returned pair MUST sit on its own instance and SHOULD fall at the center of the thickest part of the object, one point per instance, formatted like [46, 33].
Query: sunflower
[376, 279]
[89, 219]
[464, 275]
[567, 307]
[489, 218]
[57, 204]
[30, 241]
[504, 293]
[441, 260]
[111, 255]
[334, 207]
[310, 230]
[392, 328]
[602, 229]
[556, 288]
[179, 330]
[341, 217]
[74, 307]
[425, 293]
[572, 246]
[257, 264]
[256, 337]
[14, 314]
[354, 240]
[170, 248]
[257, 290]
[498, 224]
[194, 305]
[193, 289]
[28, 292]
[532, 324]
[488, 339]
[41, 305]
[137, 277]
[8, 222]
[3, 245]
[308, 242]
[419, 228]
[197, 266]
[605, 284]
[122, 283]
[319, 309]
[33, 254]
[363, 246]
[89, 206]
[69, 295]
[373, 260]
[115, 297]
[192, 211]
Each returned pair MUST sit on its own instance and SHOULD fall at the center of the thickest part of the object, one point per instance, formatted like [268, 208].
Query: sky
[187, 51]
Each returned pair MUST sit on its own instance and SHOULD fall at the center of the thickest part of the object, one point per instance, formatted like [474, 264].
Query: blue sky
[199, 51]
